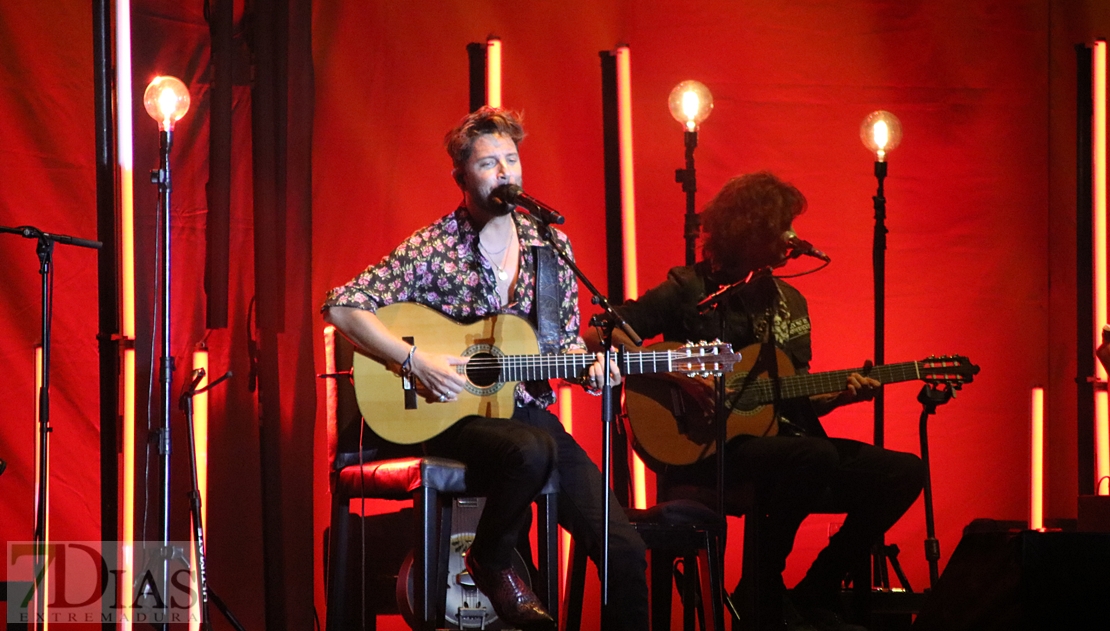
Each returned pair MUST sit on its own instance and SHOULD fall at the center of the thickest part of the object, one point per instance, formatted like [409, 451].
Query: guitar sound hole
[483, 370]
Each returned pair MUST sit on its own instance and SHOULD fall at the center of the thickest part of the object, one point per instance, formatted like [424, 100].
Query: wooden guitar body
[671, 417]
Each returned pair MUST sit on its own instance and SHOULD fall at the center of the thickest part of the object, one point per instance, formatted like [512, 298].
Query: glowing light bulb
[690, 103]
[166, 100]
[881, 132]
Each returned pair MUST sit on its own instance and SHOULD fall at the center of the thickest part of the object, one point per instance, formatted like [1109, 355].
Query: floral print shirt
[441, 266]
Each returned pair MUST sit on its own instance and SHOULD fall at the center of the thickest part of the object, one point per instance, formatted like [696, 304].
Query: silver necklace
[501, 273]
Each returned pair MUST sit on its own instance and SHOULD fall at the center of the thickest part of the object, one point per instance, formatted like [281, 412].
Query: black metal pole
[162, 178]
[688, 177]
[108, 339]
[45, 251]
[194, 501]
[932, 545]
[614, 240]
[199, 549]
[878, 261]
[930, 397]
[476, 62]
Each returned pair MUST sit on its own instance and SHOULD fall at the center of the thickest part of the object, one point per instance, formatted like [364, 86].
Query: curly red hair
[743, 224]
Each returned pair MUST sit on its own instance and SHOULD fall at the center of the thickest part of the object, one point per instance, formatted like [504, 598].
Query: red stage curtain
[980, 200]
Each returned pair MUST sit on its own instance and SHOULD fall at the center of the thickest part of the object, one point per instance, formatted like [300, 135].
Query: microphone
[801, 247]
[513, 194]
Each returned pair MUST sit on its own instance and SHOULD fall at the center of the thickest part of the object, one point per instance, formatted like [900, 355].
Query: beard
[484, 200]
[498, 208]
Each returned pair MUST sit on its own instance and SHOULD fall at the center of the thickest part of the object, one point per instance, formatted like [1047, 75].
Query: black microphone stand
[608, 321]
[710, 303]
[45, 250]
[186, 404]
[688, 178]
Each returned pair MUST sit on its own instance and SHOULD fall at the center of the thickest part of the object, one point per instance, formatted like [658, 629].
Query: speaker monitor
[1023, 580]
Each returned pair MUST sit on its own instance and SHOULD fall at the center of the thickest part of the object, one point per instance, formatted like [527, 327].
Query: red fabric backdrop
[980, 200]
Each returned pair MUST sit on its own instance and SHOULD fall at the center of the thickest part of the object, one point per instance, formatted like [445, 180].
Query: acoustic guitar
[501, 350]
[671, 419]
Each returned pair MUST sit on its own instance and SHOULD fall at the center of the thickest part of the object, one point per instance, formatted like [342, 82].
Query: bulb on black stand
[880, 132]
[690, 103]
[166, 100]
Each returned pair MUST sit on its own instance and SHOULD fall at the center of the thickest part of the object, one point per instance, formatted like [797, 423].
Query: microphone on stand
[513, 194]
[801, 247]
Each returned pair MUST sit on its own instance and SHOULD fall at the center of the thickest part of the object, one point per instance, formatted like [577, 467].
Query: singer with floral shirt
[480, 260]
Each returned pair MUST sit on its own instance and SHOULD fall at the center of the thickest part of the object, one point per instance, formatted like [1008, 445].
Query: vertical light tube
[41, 603]
[200, 434]
[1098, 236]
[493, 72]
[125, 157]
[566, 415]
[1036, 460]
[331, 389]
[628, 224]
[628, 186]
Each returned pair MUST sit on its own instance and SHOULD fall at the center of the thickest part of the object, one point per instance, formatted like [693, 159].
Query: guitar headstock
[704, 358]
[951, 370]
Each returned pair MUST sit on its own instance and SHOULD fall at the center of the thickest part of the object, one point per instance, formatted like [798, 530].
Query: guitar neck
[572, 365]
[798, 386]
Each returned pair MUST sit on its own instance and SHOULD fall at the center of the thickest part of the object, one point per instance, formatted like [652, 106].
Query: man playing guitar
[746, 234]
[480, 261]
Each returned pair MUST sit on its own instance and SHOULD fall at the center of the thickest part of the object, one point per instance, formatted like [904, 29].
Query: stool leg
[426, 562]
[337, 588]
[748, 608]
[712, 583]
[547, 536]
[692, 592]
[660, 586]
[576, 584]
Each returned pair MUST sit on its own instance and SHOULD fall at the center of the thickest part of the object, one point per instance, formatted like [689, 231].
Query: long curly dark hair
[742, 225]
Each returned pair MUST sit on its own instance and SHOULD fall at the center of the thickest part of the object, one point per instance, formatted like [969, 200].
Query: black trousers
[510, 460]
[795, 476]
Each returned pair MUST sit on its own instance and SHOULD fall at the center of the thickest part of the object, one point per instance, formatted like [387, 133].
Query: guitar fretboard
[764, 391]
[572, 366]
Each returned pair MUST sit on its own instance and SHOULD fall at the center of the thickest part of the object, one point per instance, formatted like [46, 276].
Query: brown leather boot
[513, 601]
